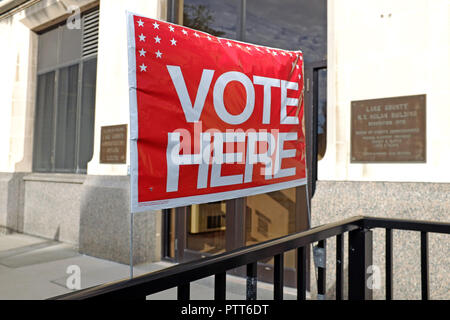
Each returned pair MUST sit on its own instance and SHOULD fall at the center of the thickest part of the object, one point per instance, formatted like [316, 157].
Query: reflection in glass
[215, 17]
[271, 215]
[289, 24]
[206, 227]
[322, 115]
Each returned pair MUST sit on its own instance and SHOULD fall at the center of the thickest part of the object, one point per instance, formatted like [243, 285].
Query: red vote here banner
[210, 118]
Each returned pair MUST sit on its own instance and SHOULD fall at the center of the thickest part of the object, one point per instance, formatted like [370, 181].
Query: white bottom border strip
[211, 197]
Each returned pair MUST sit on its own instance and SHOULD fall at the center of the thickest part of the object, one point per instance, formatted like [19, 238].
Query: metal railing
[359, 259]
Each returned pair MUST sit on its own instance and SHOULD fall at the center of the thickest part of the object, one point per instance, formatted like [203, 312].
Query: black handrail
[360, 257]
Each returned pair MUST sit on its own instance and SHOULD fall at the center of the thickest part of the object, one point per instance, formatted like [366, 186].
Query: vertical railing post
[389, 265]
[359, 261]
[301, 273]
[220, 285]
[322, 271]
[183, 292]
[424, 264]
[251, 280]
[278, 277]
[339, 267]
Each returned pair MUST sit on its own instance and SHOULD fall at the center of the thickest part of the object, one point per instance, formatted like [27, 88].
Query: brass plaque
[389, 130]
[113, 145]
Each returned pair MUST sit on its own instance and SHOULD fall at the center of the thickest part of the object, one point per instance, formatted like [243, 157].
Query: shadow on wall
[12, 190]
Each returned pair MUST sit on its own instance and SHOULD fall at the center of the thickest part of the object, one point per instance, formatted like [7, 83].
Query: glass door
[196, 231]
[202, 230]
[273, 215]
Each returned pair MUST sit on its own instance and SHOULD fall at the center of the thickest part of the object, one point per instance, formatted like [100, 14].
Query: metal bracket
[320, 257]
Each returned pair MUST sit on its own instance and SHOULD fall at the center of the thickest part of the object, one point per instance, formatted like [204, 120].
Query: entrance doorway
[201, 230]
[206, 229]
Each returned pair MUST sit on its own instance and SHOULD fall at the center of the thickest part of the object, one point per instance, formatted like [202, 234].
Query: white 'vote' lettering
[193, 112]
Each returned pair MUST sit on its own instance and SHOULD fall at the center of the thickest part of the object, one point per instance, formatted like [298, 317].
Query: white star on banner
[157, 39]
[196, 34]
[229, 44]
[274, 53]
[297, 66]
[184, 31]
[209, 38]
[142, 52]
[143, 67]
[174, 42]
[249, 49]
[158, 54]
[142, 37]
[171, 29]
[282, 53]
[155, 25]
[140, 23]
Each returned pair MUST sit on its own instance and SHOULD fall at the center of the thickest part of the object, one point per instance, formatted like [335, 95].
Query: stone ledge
[44, 14]
[56, 177]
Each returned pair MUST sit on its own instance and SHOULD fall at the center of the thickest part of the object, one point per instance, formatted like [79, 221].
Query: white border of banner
[136, 206]
[131, 46]
[211, 197]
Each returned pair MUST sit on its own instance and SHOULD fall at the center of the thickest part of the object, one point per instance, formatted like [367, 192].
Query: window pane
[216, 17]
[43, 136]
[48, 49]
[70, 45]
[86, 145]
[66, 119]
[289, 24]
